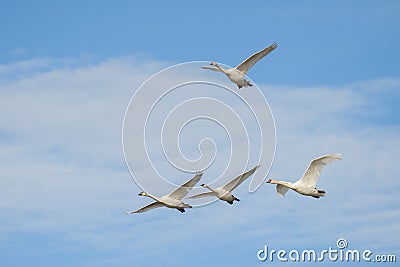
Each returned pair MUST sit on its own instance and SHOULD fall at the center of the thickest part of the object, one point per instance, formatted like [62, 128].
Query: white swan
[224, 192]
[237, 74]
[306, 185]
[172, 200]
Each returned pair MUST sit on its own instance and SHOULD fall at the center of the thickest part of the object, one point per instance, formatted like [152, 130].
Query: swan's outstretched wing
[210, 68]
[146, 208]
[281, 189]
[184, 189]
[253, 59]
[313, 171]
[205, 194]
[238, 180]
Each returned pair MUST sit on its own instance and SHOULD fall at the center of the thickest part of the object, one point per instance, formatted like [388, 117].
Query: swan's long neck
[221, 69]
[287, 184]
[153, 197]
[209, 188]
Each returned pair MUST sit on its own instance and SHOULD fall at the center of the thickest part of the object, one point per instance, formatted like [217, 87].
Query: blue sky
[67, 73]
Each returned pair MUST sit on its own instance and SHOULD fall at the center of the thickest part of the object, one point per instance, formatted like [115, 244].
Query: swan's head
[203, 185]
[213, 63]
[269, 181]
[142, 194]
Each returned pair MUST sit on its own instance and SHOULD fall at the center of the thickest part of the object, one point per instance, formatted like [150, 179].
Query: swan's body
[306, 185]
[236, 75]
[172, 200]
[224, 192]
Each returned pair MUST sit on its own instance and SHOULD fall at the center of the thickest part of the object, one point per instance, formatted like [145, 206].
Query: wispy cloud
[63, 170]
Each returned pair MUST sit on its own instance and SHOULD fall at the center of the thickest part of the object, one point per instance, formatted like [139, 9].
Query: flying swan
[306, 185]
[224, 192]
[172, 200]
[236, 75]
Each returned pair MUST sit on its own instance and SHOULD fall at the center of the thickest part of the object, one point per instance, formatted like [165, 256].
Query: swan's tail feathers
[281, 189]
[233, 200]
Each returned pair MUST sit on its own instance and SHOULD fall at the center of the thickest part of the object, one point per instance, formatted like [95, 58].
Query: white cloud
[62, 141]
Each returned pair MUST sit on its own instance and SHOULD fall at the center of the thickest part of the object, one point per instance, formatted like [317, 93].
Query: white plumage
[224, 192]
[172, 200]
[236, 75]
[306, 185]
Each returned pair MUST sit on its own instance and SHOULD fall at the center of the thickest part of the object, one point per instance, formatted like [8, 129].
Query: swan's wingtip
[338, 156]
